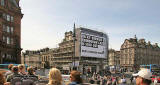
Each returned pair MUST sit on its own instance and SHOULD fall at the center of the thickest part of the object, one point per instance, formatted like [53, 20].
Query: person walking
[115, 81]
[109, 80]
[104, 81]
[75, 78]
[123, 81]
[155, 81]
[55, 77]
[143, 77]
[131, 79]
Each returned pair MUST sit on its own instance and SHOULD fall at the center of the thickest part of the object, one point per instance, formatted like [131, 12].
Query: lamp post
[24, 56]
[74, 39]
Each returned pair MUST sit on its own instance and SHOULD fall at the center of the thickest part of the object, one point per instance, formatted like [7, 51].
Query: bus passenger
[15, 74]
[55, 77]
[10, 70]
[75, 78]
[21, 68]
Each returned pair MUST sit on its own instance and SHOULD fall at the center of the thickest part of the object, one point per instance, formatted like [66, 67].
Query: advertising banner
[93, 45]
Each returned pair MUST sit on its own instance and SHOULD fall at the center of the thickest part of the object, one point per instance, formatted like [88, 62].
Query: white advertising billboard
[93, 45]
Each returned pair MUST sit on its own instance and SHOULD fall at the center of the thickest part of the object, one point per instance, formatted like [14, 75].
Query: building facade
[79, 51]
[136, 52]
[37, 58]
[47, 59]
[10, 31]
[63, 55]
[114, 58]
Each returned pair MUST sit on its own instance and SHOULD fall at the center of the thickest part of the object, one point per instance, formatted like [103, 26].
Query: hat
[144, 73]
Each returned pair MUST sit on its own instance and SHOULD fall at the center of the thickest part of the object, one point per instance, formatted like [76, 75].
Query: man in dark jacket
[15, 74]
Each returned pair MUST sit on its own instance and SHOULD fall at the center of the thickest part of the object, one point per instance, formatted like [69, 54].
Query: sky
[45, 21]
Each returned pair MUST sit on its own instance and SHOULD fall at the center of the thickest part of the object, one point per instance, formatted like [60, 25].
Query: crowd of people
[143, 77]
[108, 80]
[18, 76]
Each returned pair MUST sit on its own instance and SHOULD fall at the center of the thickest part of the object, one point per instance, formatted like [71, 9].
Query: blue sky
[45, 21]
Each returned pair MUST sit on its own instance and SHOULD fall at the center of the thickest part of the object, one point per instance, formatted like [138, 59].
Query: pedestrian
[75, 78]
[21, 68]
[9, 72]
[123, 81]
[131, 79]
[104, 81]
[115, 81]
[109, 80]
[55, 77]
[155, 81]
[98, 79]
[143, 77]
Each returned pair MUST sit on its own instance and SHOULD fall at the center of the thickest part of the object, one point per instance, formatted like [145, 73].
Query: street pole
[74, 39]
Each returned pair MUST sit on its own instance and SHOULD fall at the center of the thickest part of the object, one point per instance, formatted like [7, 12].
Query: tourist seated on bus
[31, 74]
[3, 80]
[75, 78]
[55, 77]
[21, 68]
[15, 74]
[9, 72]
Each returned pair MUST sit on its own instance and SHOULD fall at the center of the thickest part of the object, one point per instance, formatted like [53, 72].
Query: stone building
[71, 54]
[136, 52]
[10, 31]
[114, 57]
[63, 55]
[47, 59]
[36, 58]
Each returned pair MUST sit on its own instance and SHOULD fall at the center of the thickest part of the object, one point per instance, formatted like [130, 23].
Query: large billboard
[93, 45]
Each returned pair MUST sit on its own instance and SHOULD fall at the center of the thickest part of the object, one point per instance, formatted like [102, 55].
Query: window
[8, 17]
[8, 29]
[4, 39]
[12, 41]
[2, 2]
[12, 19]
[4, 28]
[4, 16]
[12, 29]
[8, 40]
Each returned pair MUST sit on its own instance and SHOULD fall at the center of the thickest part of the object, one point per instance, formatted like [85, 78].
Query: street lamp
[74, 39]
